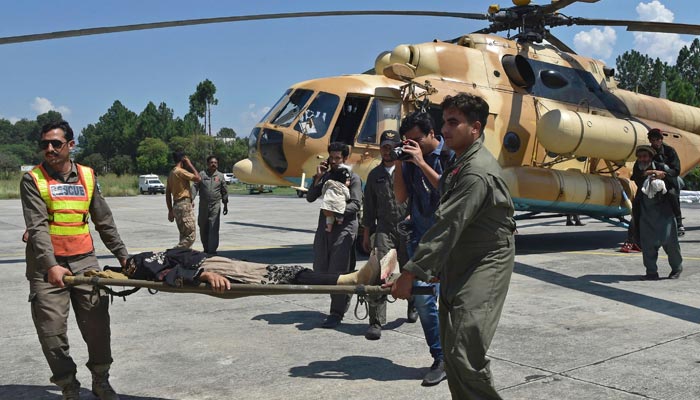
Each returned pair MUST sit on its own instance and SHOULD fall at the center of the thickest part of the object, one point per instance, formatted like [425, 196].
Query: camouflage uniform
[179, 187]
[470, 248]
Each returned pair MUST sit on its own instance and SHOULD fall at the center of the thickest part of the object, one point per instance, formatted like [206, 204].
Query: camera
[397, 153]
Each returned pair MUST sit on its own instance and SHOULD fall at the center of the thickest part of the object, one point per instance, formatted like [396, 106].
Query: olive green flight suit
[471, 250]
[381, 214]
[212, 192]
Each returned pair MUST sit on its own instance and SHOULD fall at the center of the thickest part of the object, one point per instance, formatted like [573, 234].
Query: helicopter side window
[349, 120]
[383, 115]
[291, 110]
[315, 119]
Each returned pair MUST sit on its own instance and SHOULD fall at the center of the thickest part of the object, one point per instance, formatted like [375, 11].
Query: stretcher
[240, 290]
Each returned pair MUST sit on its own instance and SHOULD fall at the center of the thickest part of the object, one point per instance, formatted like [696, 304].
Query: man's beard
[643, 166]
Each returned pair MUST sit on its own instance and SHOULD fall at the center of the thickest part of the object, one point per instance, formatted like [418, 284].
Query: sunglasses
[56, 144]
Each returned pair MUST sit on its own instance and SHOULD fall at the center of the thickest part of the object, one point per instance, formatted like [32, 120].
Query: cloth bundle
[652, 186]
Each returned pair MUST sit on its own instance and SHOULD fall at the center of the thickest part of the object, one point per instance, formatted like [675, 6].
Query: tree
[152, 156]
[120, 164]
[96, 162]
[226, 132]
[9, 164]
[112, 134]
[202, 100]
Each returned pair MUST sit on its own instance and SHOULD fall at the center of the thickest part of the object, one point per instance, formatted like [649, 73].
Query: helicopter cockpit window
[384, 114]
[277, 104]
[315, 119]
[291, 110]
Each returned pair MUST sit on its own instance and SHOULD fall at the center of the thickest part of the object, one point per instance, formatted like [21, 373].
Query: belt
[181, 199]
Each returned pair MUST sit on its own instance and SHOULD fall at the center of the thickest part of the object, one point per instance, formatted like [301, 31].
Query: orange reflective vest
[68, 205]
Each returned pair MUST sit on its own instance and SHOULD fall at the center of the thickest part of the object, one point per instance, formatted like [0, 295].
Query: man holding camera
[416, 181]
[334, 251]
[381, 214]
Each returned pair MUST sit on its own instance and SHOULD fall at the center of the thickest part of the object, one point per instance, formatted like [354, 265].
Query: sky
[251, 63]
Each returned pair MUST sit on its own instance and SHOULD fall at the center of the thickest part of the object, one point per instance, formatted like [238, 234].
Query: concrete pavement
[577, 324]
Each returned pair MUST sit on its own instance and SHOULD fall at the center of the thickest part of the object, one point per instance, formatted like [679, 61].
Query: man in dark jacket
[334, 250]
[657, 223]
[666, 159]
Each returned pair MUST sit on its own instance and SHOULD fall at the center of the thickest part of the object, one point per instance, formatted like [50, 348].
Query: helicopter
[562, 130]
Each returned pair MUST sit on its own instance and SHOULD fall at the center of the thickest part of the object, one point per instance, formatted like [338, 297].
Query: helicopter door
[384, 114]
[349, 119]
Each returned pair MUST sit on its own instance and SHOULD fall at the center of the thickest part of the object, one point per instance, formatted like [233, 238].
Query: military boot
[100, 384]
[70, 388]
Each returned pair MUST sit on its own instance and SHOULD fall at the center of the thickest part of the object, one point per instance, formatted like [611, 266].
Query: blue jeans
[426, 306]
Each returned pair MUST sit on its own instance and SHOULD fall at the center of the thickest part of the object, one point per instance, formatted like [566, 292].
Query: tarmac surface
[578, 323]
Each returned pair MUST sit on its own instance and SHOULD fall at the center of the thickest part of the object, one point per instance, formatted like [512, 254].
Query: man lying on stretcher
[176, 267]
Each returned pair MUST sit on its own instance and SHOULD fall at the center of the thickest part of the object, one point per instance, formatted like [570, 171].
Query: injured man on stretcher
[181, 266]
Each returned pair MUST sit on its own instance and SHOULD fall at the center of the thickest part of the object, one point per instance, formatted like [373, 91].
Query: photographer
[416, 181]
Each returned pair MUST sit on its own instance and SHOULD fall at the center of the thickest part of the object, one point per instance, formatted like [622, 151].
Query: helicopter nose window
[291, 110]
[315, 119]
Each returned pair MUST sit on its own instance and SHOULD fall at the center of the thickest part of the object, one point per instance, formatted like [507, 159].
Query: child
[336, 194]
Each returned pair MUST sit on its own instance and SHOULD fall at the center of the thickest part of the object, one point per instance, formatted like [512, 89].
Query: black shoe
[651, 277]
[569, 223]
[411, 314]
[436, 374]
[374, 332]
[675, 275]
[332, 321]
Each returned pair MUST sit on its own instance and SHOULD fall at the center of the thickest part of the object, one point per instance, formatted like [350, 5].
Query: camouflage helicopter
[561, 129]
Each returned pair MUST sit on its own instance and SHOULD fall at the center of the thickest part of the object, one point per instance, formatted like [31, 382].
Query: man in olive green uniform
[470, 250]
[212, 192]
[178, 198]
[380, 217]
[57, 197]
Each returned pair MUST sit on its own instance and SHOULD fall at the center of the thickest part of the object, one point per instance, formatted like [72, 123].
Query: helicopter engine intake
[587, 135]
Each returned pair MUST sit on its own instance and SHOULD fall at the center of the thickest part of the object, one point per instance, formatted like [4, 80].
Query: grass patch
[118, 186]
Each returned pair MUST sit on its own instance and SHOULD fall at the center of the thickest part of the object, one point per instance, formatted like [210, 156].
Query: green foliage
[9, 164]
[121, 164]
[96, 162]
[202, 100]
[226, 132]
[152, 156]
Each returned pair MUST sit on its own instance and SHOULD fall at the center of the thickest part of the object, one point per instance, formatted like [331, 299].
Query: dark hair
[340, 175]
[178, 156]
[212, 156]
[62, 125]
[339, 146]
[418, 118]
[655, 134]
[473, 107]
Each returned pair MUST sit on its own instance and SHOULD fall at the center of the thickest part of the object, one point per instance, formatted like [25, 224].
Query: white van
[150, 184]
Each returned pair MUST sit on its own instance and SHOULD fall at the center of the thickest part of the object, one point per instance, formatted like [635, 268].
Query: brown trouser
[50, 306]
[184, 218]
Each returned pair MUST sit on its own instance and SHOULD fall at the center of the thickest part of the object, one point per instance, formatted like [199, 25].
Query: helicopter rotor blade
[643, 26]
[202, 21]
[559, 4]
[558, 43]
